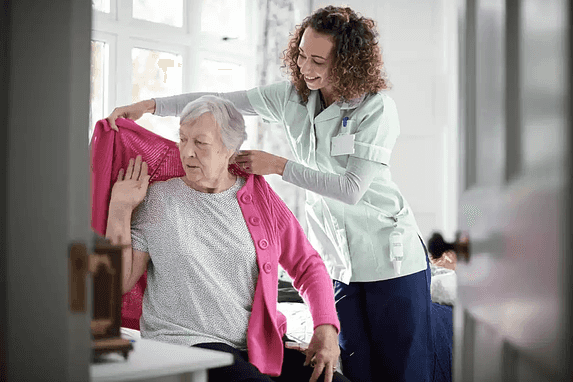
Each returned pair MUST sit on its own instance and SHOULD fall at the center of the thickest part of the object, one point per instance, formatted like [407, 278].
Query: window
[219, 76]
[98, 81]
[101, 5]
[143, 49]
[156, 74]
[219, 17]
[159, 11]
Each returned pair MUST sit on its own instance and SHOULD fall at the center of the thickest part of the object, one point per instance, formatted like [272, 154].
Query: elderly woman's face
[315, 58]
[204, 156]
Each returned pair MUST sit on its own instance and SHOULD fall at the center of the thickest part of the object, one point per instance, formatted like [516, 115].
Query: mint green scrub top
[353, 240]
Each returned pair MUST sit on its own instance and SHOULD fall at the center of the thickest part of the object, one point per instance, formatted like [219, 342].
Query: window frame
[122, 32]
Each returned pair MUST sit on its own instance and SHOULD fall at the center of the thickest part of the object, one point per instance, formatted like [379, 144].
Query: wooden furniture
[104, 267]
[153, 361]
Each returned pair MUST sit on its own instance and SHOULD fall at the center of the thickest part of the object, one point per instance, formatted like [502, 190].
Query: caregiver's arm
[174, 105]
[133, 112]
[347, 188]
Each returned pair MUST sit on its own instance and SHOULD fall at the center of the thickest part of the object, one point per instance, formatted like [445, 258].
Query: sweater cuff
[325, 320]
[162, 109]
[287, 171]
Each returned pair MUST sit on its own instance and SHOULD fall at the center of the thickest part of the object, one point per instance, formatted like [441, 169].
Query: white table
[153, 361]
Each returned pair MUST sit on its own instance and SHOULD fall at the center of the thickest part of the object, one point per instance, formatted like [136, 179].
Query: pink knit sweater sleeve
[304, 265]
[111, 151]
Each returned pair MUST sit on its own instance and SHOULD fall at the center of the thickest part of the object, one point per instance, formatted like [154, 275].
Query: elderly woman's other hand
[133, 111]
[131, 185]
[260, 162]
[323, 352]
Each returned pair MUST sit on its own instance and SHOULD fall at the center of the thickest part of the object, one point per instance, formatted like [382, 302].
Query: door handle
[437, 246]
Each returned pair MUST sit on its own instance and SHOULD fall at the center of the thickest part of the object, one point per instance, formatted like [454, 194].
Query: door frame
[464, 325]
[47, 196]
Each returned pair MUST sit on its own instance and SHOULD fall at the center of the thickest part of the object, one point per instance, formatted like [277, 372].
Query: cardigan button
[267, 267]
[255, 220]
[263, 244]
[247, 198]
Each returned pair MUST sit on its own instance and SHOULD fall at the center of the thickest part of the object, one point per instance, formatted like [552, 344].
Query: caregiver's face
[204, 156]
[315, 58]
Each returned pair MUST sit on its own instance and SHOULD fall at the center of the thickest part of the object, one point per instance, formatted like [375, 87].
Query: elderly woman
[211, 242]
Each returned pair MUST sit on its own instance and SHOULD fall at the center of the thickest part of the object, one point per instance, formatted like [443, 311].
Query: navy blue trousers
[385, 328]
[244, 371]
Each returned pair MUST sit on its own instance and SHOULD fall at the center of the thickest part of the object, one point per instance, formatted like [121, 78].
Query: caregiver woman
[341, 128]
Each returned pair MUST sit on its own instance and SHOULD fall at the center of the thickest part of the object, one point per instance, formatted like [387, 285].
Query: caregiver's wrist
[149, 106]
[280, 165]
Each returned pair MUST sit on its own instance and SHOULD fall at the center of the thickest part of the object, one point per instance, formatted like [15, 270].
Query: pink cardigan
[279, 239]
[276, 233]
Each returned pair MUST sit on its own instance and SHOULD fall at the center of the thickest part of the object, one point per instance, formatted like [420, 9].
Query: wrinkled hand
[323, 352]
[133, 112]
[260, 162]
[131, 187]
[448, 260]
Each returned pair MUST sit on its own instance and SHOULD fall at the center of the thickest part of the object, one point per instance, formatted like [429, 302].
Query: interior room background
[149, 48]
[45, 61]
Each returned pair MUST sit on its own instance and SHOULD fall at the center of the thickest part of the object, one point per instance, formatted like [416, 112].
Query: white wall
[419, 48]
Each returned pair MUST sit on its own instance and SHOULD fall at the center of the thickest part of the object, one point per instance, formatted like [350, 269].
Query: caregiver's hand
[131, 185]
[323, 352]
[260, 162]
[133, 111]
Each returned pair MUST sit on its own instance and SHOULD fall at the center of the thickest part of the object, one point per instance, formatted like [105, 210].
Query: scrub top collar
[313, 105]
[332, 111]
[351, 104]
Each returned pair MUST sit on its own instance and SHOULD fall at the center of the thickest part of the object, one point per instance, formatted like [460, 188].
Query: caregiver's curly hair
[357, 67]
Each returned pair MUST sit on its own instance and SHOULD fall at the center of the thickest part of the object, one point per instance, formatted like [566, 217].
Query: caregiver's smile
[315, 60]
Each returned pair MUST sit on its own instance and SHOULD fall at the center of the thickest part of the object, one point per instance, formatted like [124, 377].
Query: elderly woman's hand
[133, 111]
[323, 352]
[131, 185]
[448, 260]
[260, 162]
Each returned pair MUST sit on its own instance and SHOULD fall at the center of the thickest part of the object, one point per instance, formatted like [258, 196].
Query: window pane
[157, 74]
[98, 81]
[216, 76]
[225, 18]
[101, 5]
[159, 11]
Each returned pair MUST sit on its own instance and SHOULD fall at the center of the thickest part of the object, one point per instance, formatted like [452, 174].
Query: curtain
[279, 20]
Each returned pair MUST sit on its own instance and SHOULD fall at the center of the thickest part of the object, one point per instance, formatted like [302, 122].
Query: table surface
[151, 359]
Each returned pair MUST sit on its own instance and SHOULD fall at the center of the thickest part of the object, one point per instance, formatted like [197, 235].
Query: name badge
[342, 145]
[396, 251]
